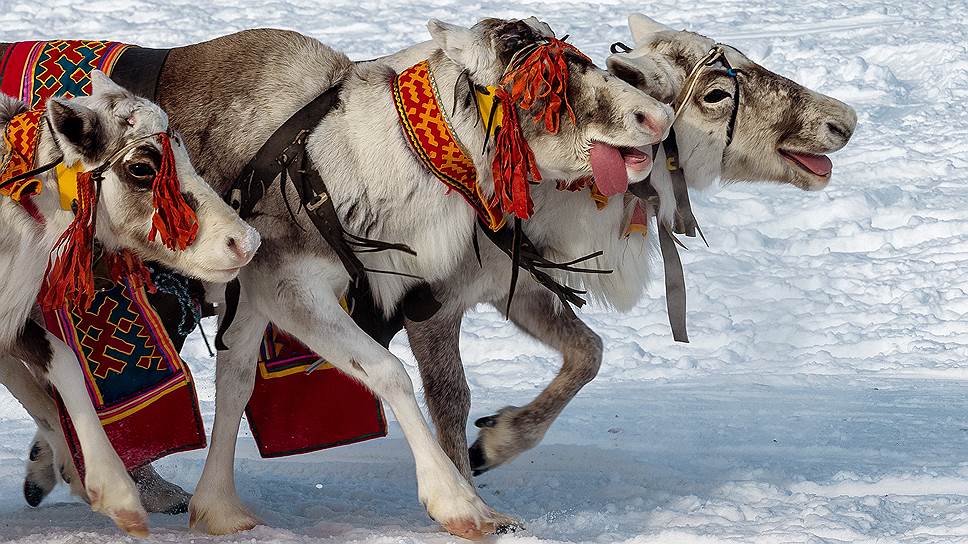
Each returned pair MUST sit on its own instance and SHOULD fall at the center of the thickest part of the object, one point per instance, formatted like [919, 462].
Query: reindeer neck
[455, 96]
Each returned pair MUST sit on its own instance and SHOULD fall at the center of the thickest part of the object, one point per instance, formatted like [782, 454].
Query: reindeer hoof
[220, 519]
[498, 525]
[40, 479]
[131, 522]
[33, 493]
[159, 495]
[467, 529]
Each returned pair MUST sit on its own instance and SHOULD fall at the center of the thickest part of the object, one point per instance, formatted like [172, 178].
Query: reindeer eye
[141, 170]
[715, 95]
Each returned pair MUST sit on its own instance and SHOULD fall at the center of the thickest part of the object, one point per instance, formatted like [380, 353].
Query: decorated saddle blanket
[294, 412]
[141, 389]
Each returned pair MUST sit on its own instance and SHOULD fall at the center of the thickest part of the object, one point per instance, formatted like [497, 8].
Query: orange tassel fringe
[174, 219]
[126, 265]
[513, 163]
[541, 79]
[69, 278]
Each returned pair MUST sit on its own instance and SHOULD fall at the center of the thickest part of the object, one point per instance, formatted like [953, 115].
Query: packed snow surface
[824, 395]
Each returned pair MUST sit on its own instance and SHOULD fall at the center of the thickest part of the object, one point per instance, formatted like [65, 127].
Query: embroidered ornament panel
[432, 140]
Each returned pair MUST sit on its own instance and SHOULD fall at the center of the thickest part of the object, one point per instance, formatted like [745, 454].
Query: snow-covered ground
[824, 397]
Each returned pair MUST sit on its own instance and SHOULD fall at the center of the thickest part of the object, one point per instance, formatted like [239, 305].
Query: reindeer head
[782, 131]
[600, 122]
[124, 137]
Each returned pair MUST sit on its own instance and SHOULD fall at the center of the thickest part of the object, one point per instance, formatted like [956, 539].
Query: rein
[684, 221]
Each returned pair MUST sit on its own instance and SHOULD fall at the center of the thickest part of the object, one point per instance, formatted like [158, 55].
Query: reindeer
[258, 79]
[125, 140]
[774, 114]
[781, 134]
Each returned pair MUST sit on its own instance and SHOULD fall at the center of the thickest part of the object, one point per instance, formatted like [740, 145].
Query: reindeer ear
[102, 84]
[643, 27]
[648, 73]
[464, 46]
[541, 26]
[78, 130]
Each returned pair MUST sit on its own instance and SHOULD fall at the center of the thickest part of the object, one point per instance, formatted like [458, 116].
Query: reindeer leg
[215, 507]
[435, 344]
[44, 462]
[513, 430]
[299, 302]
[50, 456]
[108, 485]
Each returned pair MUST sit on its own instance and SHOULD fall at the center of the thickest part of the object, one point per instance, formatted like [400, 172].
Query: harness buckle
[672, 164]
[317, 202]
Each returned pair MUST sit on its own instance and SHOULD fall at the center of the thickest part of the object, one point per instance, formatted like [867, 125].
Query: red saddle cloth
[141, 389]
[293, 412]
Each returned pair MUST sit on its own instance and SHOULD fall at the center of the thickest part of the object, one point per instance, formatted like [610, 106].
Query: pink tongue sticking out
[608, 167]
[818, 164]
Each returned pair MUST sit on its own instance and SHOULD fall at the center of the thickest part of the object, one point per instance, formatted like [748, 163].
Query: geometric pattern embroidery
[122, 355]
[34, 71]
[63, 67]
[431, 139]
[20, 136]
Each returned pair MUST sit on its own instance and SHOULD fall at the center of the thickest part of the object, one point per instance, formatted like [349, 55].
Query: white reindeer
[118, 134]
[782, 134]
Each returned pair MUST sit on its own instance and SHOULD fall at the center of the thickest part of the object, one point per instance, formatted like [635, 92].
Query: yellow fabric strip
[67, 184]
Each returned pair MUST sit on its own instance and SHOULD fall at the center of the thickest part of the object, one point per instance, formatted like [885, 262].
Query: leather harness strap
[138, 70]
[684, 223]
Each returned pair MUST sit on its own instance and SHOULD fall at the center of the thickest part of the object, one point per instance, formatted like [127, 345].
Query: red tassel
[174, 219]
[513, 162]
[69, 279]
[126, 265]
[541, 79]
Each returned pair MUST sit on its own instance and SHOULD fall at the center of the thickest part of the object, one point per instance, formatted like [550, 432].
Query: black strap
[515, 242]
[32, 173]
[284, 156]
[233, 290]
[138, 69]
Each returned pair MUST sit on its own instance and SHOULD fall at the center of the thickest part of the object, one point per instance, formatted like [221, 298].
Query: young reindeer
[782, 133]
[123, 147]
[381, 190]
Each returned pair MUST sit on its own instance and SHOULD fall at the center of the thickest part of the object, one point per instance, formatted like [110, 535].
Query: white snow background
[824, 395]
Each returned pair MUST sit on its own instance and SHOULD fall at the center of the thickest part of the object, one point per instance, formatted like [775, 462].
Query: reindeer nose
[654, 121]
[840, 130]
[244, 248]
